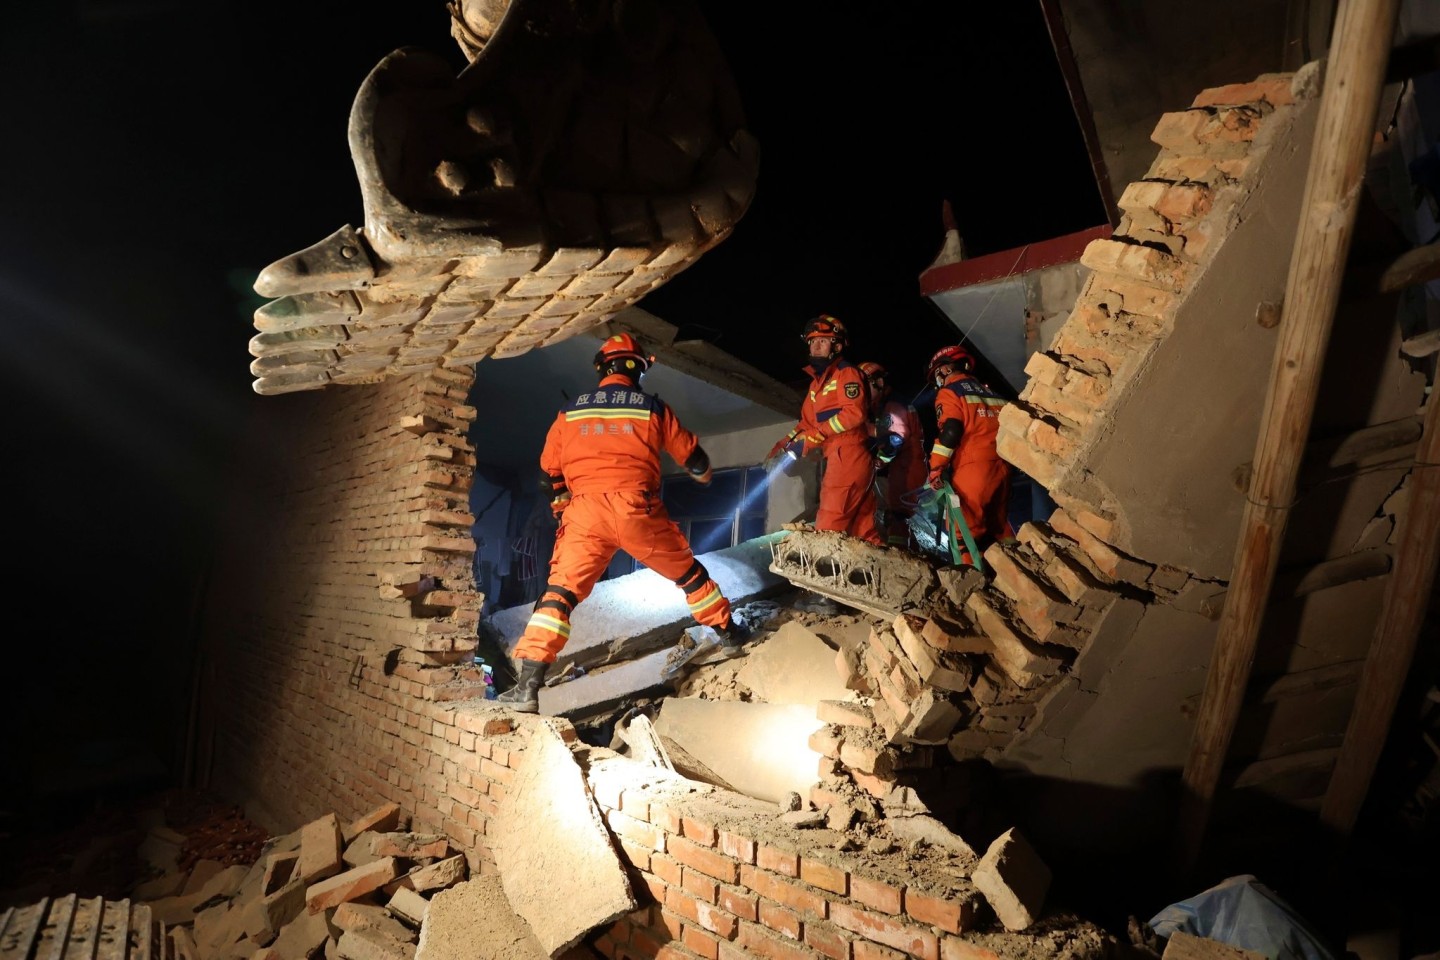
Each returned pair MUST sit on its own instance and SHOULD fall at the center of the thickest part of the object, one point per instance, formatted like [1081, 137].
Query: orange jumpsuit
[833, 419]
[975, 471]
[906, 472]
[604, 448]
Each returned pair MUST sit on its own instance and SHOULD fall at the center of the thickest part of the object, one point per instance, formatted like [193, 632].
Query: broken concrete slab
[564, 880]
[758, 749]
[605, 688]
[882, 581]
[632, 615]
[474, 921]
[1013, 879]
[794, 666]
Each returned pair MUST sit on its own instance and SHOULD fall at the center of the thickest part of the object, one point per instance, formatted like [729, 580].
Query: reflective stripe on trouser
[592, 528]
[983, 487]
[847, 498]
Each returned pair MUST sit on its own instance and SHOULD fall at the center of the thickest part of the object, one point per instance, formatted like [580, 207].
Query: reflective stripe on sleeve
[553, 624]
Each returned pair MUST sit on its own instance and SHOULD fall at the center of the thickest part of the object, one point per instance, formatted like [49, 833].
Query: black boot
[524, 697]
[733, 636]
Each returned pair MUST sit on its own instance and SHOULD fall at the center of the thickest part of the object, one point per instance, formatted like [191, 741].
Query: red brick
[656, 886]
[892, 933]
[671, 951]
[741, 904]
[876, 893]
[826, 741]
[708, 862]
[824, 876]
[951, 914]
[782, 891]
[827, 938]
[637, 831]
[779, 919]
[701, 942]
[700, 886]
[737, 846]
[865, 950]
[758, 940]
[683, 904]
[954, 948]
[665, 868]
[643, 942]
[634, 803]
[634, 854]
[496, 771]
[697, 830]
[717, 921]
[1274, 90]
[605, 946]
[671, 923]
[665, 818]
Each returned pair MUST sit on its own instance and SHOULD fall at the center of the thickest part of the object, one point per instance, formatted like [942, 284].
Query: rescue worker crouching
[967, 419]
[833, 418]
[601, 467]
[899, 449]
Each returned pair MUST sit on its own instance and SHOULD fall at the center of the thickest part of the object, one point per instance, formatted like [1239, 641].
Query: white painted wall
[790, 496]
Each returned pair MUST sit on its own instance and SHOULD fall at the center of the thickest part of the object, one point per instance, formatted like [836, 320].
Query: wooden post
[1407, 593]
[1344, 131]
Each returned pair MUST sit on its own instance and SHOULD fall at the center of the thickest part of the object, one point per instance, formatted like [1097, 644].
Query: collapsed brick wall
[715, 880]
[1081, 657]
[347, 603]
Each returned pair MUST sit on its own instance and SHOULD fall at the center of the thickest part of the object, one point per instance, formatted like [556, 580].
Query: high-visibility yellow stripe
[835, 424]
[546, 622]
[987, 401]
[940, 450]
[611, 413]
[707, 601]
[832, 385]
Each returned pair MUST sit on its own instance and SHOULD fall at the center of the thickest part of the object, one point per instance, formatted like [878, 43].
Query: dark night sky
[157, 154]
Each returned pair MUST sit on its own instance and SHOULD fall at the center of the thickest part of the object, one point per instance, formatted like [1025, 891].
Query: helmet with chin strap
[621, 354]
[878, 377]
[826, 326]
[956, 356]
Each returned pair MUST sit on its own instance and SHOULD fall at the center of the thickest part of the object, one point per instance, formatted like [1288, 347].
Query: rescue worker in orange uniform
[833, 419]
[967, 418]
[899, 451]
[601, 465]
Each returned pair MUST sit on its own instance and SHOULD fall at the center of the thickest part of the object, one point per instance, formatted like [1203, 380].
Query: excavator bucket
[587, 154]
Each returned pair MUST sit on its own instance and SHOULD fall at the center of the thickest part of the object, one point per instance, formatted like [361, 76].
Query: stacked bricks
[333, 634]
[1173, 221]
[722, 883]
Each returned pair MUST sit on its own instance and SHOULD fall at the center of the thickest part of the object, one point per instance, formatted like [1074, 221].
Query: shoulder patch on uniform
[852, 390]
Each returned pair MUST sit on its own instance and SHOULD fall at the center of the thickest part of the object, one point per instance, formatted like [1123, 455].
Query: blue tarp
[1243, 912]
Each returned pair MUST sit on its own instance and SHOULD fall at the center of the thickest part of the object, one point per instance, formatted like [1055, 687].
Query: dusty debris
[1013, 879]
[550, 790]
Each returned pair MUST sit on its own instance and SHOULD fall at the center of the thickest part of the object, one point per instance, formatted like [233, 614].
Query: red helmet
[621, 354]
[826, 326]
[956, 355]
[874, 372]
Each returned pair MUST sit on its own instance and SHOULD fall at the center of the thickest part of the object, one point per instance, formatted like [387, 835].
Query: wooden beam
[1344, 130]
[1402, 614]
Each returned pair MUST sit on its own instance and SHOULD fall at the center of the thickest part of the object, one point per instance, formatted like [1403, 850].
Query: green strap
[956, 519]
